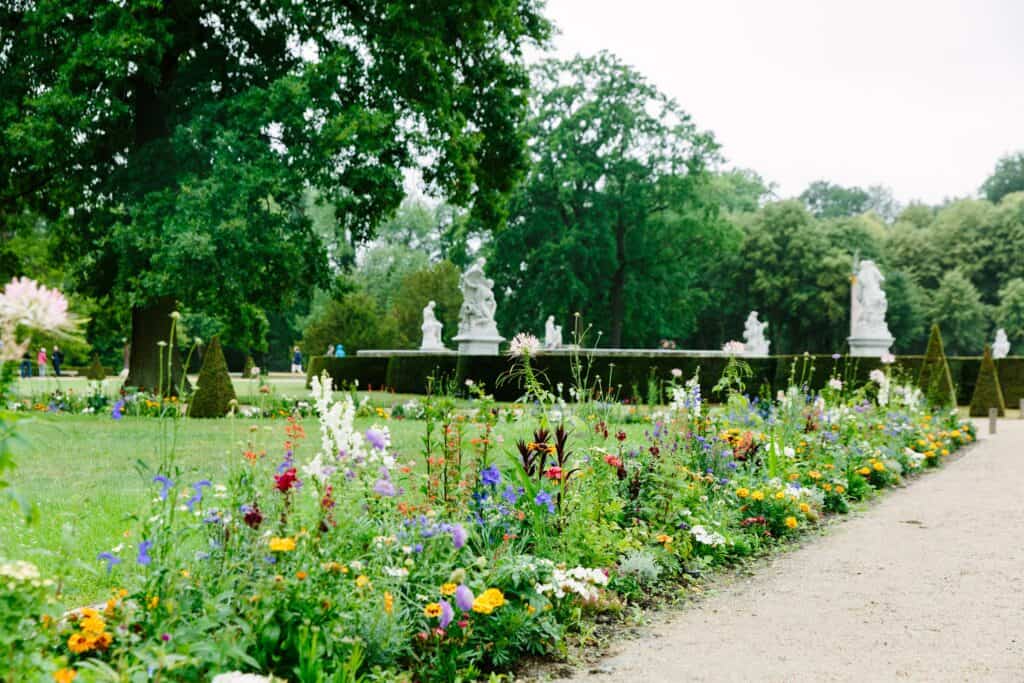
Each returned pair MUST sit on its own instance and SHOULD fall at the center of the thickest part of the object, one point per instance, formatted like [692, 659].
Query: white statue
[869, 333]
[478, 333]
[552, 334]
[431, 330]
[1001, 346]
[754, 341]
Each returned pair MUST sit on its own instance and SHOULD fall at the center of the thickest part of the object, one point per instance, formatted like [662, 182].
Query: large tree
[175, 141]
[611, 220]
[1007, 177]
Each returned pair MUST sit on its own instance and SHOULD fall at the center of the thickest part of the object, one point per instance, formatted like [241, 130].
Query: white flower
[677, 373]
[888, 358]
[19, 570]
[523, 344]
[733, 348]
[239, 677]
[711, 538]
[836, 384]
[255, 372]
[175, 315]
[469, 382]
[398, 572]
[878, 377]
[26, 302]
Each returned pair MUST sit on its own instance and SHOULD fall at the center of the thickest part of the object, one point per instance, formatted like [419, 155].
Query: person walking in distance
[26, 364]
[297, 361]
[41, 361]
[57, 358]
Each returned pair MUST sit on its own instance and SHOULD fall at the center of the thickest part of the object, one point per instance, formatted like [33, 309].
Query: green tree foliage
[829, 200]
[935, 380]
[987, 391]
[957, 305]
[214, 393]
[352, 320]
[906, 316]
[739, 190]
[177, 140]
[95, 371]
[438, 283]
[613, 219]
[1007, 177]
[1010, 314]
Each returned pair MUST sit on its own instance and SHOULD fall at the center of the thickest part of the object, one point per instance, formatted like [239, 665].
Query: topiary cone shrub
[214, 390]
[95, 370]
[987, 391]
[935, 381]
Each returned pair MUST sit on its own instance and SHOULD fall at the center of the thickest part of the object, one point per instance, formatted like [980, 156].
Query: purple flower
[459, 536]
[198, 497]
[447, 614]
[836, 356]
[166, 483]
[144, 559]
[544, 498]
[165, 637]
[464, 598]
[110, 558]
[377, 439]
[511, 495]
[384, 487]
[491, 476]
[118, 407]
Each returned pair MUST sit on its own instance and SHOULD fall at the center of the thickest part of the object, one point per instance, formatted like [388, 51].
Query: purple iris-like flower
[464, 598]
[377, 439]
[459, 536]
[544, 498]
[110, 558]
[418, 548]
[198, 497]
[166, 483]
[491, 476]
[118, 407]
[447, 614]
[384, 487]
[511, 495]
[144, 559]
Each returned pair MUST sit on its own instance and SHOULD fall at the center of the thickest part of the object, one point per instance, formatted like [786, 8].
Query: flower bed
[342, 558]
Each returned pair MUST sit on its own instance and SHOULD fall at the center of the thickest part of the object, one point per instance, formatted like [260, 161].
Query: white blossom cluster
[882, 380]
[579, 581]
[711, 538]
[19, 570]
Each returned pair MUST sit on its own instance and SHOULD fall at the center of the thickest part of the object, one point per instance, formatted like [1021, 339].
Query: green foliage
[1007, 177]
[957, 305]
[96, 371]
[1010, 314]
[613, 219]
[935, 380]
[353, 321]
[987, 391]
[438, 283]
[828, 200]
[215, 391]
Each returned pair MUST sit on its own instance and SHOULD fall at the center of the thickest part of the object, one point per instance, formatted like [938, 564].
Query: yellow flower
[879, 467]
[282, 545]
[362, 581]
[64, 675]
[955, 433]
[301, 575]
[814, 474]
[840, 488]
[757, 495]
[389, 602]
[864, 471]
[93, 625]
[488, 601]
[794, 476]
[78, 643]
[433, 609]
[153, 602]
[448, 588]
[780, 495]
[791, 522]
[805, 508]
[826, 486]
[664, 539]
[742, 493]
[945, 451]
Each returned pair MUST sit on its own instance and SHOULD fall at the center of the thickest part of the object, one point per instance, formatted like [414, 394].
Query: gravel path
[925, 585]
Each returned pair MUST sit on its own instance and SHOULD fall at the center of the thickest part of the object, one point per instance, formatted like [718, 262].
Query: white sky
[920, 95]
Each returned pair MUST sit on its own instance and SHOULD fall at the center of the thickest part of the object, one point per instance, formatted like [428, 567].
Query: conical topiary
[96, 370]
[987, 391]
[936, 382]
[247, 368]
[215, 392]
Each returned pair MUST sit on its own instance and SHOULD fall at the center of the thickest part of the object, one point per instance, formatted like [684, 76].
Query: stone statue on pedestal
[478, 333]
[869, 333]
[431, 330]
[754, 342]
[1001, 346]
[552, 334]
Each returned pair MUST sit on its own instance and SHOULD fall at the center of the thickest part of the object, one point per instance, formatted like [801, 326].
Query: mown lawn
[87, 475]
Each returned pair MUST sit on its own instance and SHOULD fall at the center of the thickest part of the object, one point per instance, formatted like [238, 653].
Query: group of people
[333, 350]
[42, 362]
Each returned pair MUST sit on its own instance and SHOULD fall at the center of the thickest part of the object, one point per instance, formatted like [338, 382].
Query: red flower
[554, 473]
[285, 482]
[620, 435]
[253, 517]
[612, 460]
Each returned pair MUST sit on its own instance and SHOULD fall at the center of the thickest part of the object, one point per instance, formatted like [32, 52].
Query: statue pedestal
[869, 347]
[479, 345]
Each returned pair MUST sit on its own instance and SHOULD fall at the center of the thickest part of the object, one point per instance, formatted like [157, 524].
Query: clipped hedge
[214, 390]
[987, 393]
[629, 375]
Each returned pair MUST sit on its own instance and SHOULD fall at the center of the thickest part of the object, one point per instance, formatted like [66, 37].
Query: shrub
[352, 320]
[215, 391]
[987, 392]
[935, 380]
[96, 371]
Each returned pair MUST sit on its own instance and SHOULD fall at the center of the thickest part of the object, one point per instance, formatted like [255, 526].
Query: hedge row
[630, 376]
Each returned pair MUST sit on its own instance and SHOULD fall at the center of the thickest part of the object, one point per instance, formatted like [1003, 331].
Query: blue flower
[166, 483]
[459, 536]
[377, 439]
[544, 498]
[110, 558]
[491, 476]
[511, 495]
[118, 407]
[144, 559]
[198, 497]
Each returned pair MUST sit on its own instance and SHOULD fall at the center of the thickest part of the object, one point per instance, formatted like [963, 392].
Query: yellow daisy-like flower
[362, 581]
[64, 675]
[742, 493]
[757, 495]
[814, 474]
[433, 610]
[488, 601]
[153, 602]
[93, 625]
[78, 643]
[805, 508]
[780, 495]
[879, 467]
[791, 522]
[282, 545]
[389, 602]
[865, 471]
[448, 588]
[840, 488]
[664, 539]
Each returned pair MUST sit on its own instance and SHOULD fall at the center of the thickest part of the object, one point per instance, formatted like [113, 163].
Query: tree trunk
[148, 360]
[617, 296]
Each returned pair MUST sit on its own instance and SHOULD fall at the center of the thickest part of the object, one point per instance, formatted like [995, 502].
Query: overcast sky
[920, 95]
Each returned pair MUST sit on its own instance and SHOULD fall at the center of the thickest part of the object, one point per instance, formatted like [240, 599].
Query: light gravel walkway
[925, 585]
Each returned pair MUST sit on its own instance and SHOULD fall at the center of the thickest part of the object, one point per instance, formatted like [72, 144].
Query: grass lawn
[82, 474]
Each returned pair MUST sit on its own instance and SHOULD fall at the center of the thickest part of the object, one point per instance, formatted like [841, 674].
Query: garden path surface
[925, 585]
